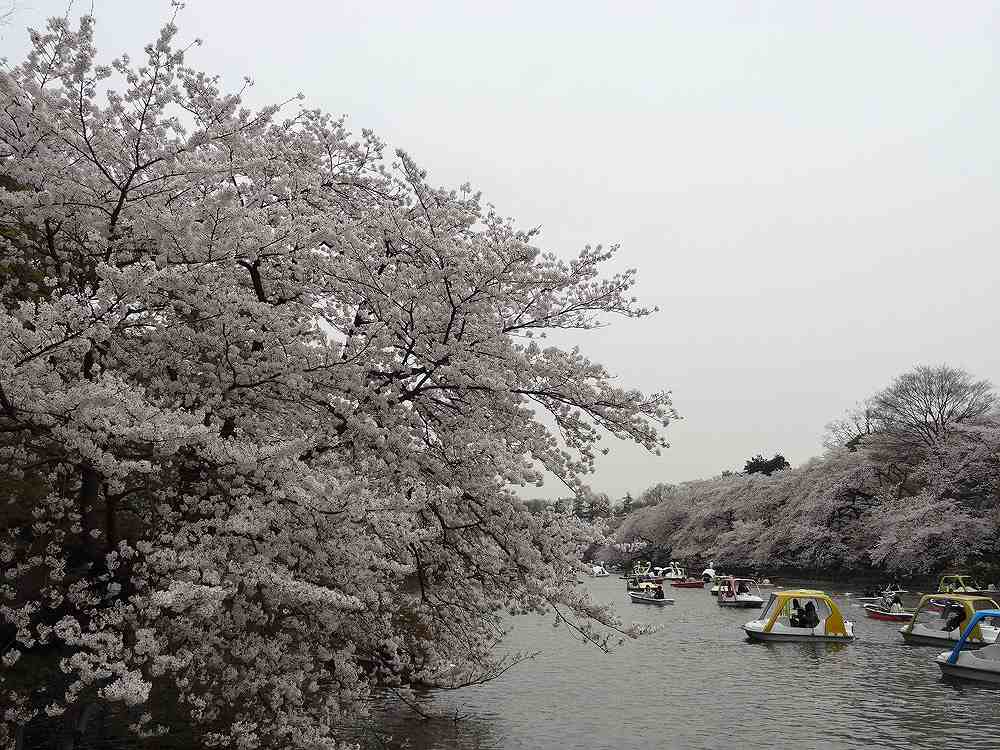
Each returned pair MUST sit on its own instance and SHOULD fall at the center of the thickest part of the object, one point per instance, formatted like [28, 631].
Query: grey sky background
[809, 190]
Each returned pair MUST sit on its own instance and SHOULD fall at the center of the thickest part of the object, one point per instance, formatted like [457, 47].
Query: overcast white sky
[809, 190]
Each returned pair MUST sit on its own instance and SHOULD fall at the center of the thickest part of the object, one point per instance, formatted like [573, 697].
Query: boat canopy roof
[969, 601]
[802, 594]
[981, 614]
[781, 600]
[962, 579]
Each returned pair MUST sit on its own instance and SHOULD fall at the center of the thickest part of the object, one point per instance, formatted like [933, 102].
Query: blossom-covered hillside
[910, 484]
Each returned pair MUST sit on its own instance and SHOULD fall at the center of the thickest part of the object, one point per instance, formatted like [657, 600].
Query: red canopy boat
[689, 583]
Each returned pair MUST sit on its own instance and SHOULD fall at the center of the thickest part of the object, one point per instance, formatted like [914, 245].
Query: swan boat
[801, 615]
[708, 573]
[982, 665]
[673, 572]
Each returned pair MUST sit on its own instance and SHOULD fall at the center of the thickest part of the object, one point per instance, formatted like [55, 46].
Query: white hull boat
[793, 634]
[746, 601]
[940, 620]
[739, 592]
[803, 615]
[922, 635]
[708, 573]
[982, 665]
[643, 599]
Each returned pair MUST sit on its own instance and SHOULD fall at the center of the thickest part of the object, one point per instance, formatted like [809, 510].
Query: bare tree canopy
[920, 407]
[849, 430]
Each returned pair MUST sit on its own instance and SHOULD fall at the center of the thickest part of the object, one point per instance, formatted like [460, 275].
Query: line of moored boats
[960, 615]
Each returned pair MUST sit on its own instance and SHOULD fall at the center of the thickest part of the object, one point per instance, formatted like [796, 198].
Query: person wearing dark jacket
[797, 616]
[810, 618]
[956, 616]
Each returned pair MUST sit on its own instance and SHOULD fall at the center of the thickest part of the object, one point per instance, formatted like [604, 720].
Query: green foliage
[766, 466]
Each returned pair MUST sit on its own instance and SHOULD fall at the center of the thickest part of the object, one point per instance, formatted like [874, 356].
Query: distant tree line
[909, 483]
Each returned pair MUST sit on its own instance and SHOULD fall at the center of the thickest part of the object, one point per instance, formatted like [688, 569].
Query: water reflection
[699, 683]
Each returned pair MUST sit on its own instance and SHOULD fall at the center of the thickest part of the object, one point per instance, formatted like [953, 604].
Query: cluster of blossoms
[265, 402]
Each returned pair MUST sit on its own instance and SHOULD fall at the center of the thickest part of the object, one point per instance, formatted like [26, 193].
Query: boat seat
[991, 652]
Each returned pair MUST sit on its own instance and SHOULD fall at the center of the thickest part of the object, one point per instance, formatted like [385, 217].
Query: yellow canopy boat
[960, 584]
[800, 615]
[940, 618]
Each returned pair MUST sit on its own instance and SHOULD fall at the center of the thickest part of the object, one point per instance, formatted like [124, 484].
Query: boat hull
[637, 599]
[966, 673]
[757, 635]
[688, 584]
[915, 639]
[887, 615]
[741, 605]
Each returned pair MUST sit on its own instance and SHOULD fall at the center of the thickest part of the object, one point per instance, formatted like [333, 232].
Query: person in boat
[742, 588]
[809, 618]
[956, 616]
[658, 592]
[797, 615]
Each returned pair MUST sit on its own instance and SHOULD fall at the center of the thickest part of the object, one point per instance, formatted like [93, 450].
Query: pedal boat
[638, 584]
[643, 572]
[982, 665]
[888, 591]
[716, 583]
[961, 584]
[775, 622]
[689, 583]
[740, 592]
[673, 572]
[936, 621]
[708, 573]
[648, 599]
[887, 614]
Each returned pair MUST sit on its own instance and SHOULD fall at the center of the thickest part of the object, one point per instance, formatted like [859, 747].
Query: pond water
[698, 683]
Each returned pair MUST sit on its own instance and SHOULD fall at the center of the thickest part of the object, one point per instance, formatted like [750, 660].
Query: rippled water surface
[698, 683]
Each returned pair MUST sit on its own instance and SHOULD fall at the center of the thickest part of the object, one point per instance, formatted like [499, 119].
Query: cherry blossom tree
[955, 517]
[266, 396]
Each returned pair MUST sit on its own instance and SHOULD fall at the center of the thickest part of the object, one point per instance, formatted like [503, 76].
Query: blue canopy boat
[983, 664]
